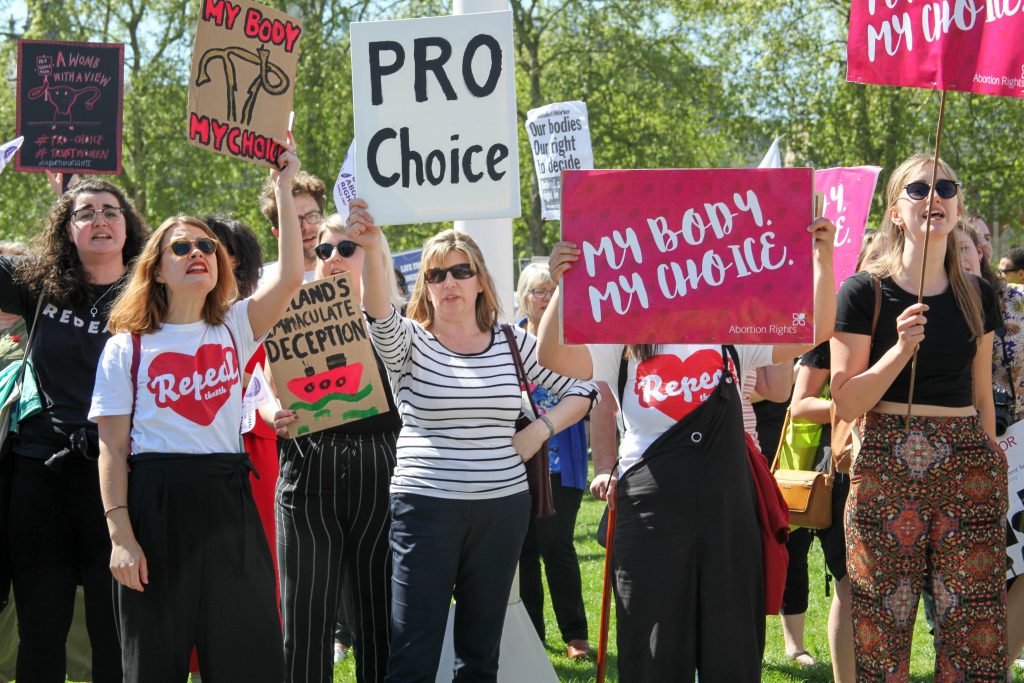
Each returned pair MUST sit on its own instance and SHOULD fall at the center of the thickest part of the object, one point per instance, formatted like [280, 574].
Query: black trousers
[552, 539]
[687, 557]
[332, 512]
[58, 539]
[211, 579]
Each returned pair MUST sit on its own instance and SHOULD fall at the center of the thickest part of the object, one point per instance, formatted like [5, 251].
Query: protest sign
[435, 118]
[345, 185]
[847, 196]
[8, 150]
[1012, 443]
[322, 361]
[559, 136]
[408, 264]
[243, 79]
[695, 256]
[69, 106]
[967, 46]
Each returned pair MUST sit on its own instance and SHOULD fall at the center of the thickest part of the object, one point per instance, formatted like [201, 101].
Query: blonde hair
[532, 273]
[333, 223]
[435, 251]
[886, 258]
[142, 305]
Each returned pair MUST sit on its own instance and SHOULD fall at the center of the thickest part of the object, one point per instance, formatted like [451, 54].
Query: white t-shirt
[271, 268]
[189, 392]
[671, 384]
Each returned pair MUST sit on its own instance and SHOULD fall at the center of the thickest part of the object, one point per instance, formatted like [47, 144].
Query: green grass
[777, 667]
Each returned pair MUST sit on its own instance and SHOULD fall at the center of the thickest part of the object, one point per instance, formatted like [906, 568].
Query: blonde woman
[928, 503]
[189, 555]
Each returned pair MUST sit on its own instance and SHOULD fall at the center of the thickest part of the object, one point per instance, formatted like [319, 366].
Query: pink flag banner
[688, 256]
[965, 45]
[847, 193]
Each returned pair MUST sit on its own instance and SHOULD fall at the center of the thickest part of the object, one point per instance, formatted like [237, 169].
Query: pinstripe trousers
[332, 511]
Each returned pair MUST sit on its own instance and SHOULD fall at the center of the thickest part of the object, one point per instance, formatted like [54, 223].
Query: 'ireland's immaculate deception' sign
[435, 118]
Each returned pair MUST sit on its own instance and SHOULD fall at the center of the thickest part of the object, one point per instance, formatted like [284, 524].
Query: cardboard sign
[688, 256]
[1012, 443]
[322, 360]
[435, 118]
[847, 194]
[243, 79]
[559, 136]
[969, 46]
[69, 106]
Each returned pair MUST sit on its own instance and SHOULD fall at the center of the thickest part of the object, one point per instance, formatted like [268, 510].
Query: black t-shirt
[944, 359]
[65, 353]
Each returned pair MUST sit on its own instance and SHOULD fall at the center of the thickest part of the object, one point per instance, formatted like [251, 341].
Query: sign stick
[606, 596]
[924, 258]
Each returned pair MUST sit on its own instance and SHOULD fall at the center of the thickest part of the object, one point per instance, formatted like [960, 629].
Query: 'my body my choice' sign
[688, 256]
[435, 118]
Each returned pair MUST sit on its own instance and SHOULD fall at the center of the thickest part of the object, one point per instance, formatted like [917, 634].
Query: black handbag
[538, 474]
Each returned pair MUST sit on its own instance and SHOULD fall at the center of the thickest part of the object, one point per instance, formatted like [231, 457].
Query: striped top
[459, 410]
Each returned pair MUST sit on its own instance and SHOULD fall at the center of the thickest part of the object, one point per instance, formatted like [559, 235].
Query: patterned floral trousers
[928, 506]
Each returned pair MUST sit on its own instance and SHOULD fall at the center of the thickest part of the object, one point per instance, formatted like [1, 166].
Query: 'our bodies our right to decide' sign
[559, 137]
[689, 256]
[968, 45]
[435, 118]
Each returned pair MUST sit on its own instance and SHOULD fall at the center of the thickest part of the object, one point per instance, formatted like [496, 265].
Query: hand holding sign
[361, 227]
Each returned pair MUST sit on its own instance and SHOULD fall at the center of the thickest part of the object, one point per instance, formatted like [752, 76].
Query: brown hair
[887, 258]
[142, 305]
[302, 183]
[59, 268]
[435, 251]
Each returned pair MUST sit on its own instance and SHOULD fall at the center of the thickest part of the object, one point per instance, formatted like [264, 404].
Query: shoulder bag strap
[876, 284]
[19, 381]
[510, 337]
[782, 440]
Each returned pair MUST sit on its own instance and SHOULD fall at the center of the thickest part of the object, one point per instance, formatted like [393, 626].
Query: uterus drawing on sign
[64, 98]
[269, 78]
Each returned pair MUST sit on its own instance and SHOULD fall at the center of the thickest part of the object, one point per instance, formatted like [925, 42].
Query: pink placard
[968, 45]
[694, 256]
[847, 193]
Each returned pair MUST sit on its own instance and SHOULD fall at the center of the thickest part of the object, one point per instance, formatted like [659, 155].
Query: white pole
[494, 235]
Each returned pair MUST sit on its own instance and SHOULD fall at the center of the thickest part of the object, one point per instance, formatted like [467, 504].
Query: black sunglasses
[207, 245]
[944, 188]
[460, 271]
[345, 249]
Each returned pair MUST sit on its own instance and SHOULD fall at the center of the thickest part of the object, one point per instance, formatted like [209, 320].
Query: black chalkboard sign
[69, 106]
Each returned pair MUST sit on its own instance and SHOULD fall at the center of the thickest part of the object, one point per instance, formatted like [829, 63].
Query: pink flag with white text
[689, 256]
[847, 193]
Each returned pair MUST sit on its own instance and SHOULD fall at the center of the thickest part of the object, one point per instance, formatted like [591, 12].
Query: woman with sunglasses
[332, 517]
[926, 503]
[55, 530]
[552, 538]
[459, 498]
[189, 555]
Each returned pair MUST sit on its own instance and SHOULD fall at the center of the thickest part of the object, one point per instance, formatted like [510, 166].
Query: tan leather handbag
[808, 494]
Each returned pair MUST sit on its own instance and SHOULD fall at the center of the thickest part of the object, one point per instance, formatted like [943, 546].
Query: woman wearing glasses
[55, 532]
[332, 517]
[189, 554]
[928, 502]
[459, 499]
[552, 538]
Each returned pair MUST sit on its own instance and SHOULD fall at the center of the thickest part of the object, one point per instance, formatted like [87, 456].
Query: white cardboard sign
[435, 118]
[560, 139]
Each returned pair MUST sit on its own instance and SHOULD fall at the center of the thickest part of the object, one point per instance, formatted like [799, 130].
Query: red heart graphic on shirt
[676, 386]
[194, 387]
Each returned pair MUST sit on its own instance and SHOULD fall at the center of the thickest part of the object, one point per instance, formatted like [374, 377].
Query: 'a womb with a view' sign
[689, 256]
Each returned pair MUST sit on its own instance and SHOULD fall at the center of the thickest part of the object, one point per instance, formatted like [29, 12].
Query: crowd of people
[243, 557]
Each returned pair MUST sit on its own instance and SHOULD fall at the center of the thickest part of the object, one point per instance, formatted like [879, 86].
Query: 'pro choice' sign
[688, 256]
[435, 118]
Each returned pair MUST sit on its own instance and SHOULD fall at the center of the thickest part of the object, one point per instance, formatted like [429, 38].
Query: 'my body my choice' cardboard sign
[243, 79]
[689, 256]
[322, 361]
[435, 118]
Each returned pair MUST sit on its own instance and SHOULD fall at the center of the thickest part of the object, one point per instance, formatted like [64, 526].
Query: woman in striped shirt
[459, 498]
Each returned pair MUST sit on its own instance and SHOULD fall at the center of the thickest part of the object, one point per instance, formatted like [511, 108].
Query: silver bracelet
[551, 427]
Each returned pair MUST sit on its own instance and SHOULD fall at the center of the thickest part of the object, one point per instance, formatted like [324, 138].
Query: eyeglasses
[542, 293]
[1005, 271]
[312, 218]
[345, 249]
[207, 245]
[88, 214]
[460, 271]
[944, 188]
